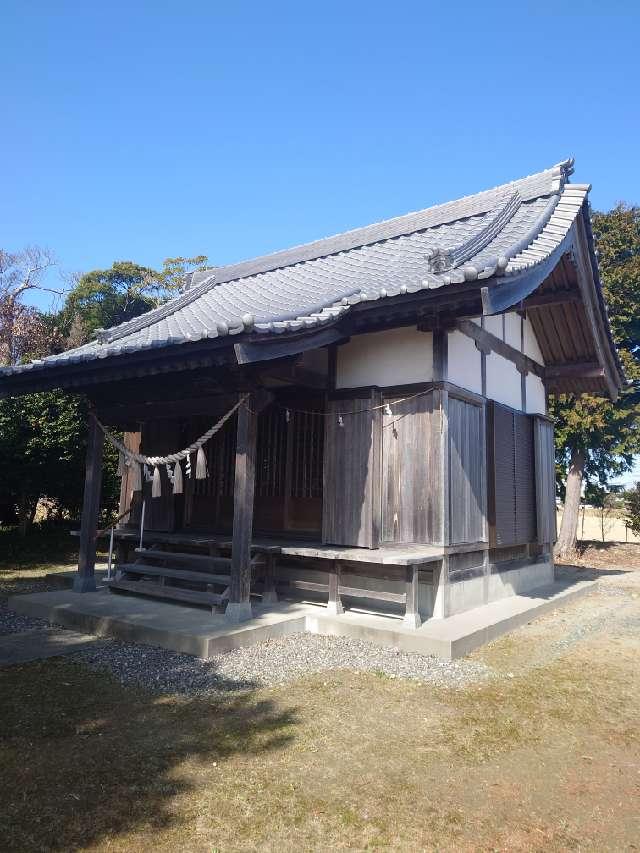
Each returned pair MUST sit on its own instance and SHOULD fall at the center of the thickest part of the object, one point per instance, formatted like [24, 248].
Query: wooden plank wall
[128, 500]
[525, 522]
[545, 480]
[512, 501]
[158, 438]
[466, 471]
[504, 497]
[351, 490]
[410, 511]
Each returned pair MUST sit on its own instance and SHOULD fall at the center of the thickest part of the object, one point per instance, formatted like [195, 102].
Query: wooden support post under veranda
[85, 580]
[239, 606]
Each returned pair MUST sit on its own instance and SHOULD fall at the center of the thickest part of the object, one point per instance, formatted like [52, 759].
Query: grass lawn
[546, 756]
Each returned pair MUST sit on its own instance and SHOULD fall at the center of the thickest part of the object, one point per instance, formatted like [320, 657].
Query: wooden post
[85, 580]
[239, 606]
[270, 594]
[412, 614]
[334, 605]
[441, 589]
[440, 425]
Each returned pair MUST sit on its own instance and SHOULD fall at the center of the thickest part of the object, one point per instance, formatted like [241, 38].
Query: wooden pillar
[440, 423]
[441, 589]
[85, 580]
[270, 593]
[412, 614]
[239, 606]
[334, 605]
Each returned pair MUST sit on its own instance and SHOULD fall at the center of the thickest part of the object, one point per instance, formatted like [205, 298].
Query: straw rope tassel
[201, 465]
[156, 485]
[177, 479]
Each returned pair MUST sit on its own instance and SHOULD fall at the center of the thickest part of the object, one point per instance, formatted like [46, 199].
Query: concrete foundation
[199, 632]
[474, 592]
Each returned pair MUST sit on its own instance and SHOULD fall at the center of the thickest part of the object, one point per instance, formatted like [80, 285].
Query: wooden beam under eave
[487, 342]
[555, 297]
[596, 320]
[574, 370]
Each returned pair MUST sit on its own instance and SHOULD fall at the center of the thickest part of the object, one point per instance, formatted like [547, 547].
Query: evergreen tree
[596, 439]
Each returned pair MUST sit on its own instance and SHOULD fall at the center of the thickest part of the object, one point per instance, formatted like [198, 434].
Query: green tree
[632, 509]
[596, 439]
[104, 298]
[42, 448]
[43, 435]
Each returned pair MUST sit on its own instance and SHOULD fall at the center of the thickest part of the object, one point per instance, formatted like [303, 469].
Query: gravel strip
[271, 663]
[13, 623]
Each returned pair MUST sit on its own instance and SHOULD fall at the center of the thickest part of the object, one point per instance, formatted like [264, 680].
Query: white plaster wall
[513, 330]
[392, 357]
[503, 381]
[536, 395]
[493, 324]
[465, 367]
[531, 346]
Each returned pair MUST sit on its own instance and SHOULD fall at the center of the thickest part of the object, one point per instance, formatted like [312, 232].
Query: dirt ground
[607, 555]
[543, 756]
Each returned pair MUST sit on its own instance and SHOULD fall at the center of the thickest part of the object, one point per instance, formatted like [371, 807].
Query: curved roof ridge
[407, 223]
[429, 217]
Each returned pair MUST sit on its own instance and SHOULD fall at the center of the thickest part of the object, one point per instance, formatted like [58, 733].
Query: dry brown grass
[331, 762]
[546, 756]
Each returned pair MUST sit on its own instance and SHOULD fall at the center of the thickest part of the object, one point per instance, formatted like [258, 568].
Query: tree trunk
[566, 544]
[26, 514]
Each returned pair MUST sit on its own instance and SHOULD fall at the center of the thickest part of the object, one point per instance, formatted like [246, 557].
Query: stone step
[177, 574]
[206, 560]
[174, 593]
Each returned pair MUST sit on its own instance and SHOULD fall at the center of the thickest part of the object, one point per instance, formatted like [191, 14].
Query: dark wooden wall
[159, 438]
[466, 471]
[511, 467]
[545, 480]
[410, 503]
[351, 492]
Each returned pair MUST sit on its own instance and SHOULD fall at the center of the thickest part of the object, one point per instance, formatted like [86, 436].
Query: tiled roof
[496, 233]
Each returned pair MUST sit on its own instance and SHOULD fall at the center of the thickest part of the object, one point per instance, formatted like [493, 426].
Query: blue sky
[143, 130]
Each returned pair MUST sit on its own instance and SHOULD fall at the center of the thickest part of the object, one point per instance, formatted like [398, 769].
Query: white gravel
[13, 623]
[271, 663]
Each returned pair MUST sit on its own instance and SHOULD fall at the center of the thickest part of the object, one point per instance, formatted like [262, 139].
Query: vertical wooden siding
[351, 494]
[512, 509]
[524, 475]
[128, 499]
[545, 480]
[409, 500]
[158, 438]
[466, 472]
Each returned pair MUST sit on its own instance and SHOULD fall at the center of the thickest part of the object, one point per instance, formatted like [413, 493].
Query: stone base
[84, 583]
[198, 632]
[237, 612]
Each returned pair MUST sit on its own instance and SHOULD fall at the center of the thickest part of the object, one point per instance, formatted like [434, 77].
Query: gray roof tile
[497, 232]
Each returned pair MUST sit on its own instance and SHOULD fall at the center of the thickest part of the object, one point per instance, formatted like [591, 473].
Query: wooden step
[178, 574]
[176, 557]
[174, 593]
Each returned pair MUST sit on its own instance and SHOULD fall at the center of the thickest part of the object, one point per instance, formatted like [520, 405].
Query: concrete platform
[198, 632]
[35, 645]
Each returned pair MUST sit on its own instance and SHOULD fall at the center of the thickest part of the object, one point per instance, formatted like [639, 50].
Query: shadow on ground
[85, 759]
